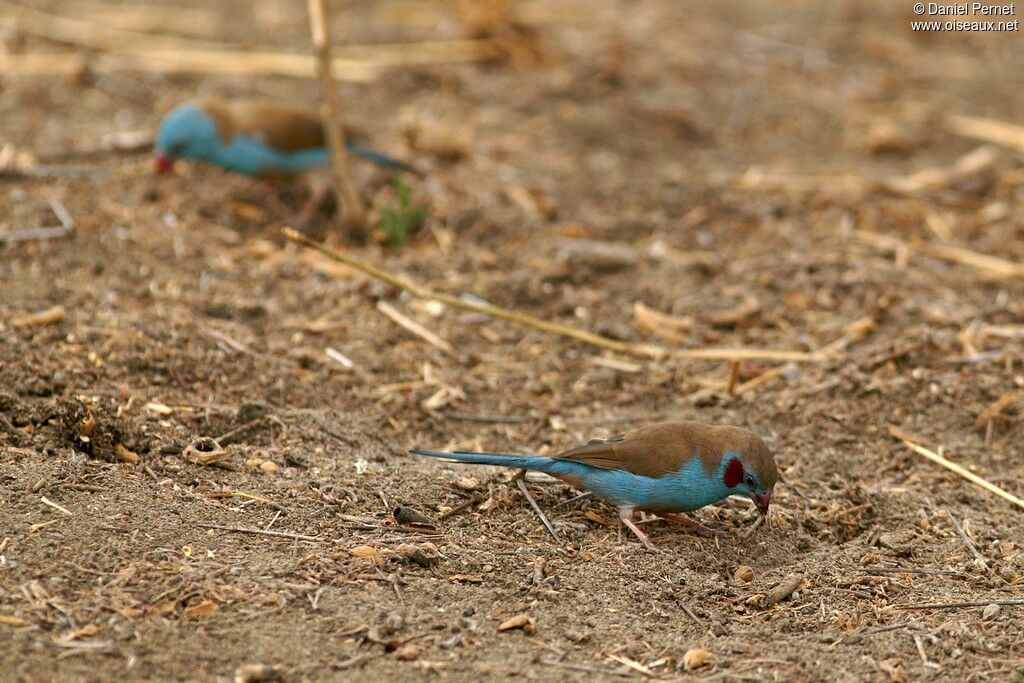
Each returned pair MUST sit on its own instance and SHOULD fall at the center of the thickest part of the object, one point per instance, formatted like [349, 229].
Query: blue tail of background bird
[521, 462]
[379, 158]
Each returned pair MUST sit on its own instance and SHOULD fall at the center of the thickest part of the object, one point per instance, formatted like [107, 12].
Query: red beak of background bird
[761, 500]
[163, 163]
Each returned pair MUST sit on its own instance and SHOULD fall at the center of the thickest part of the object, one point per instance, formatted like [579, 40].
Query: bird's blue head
[187, 132]
[748, 468]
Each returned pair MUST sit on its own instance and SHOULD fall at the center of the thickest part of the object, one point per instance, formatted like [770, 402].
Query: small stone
[258, 673]
[268, 466]
[520, 621]
[898, 544]
[408, 652]
[253, 463]
[886, 137]
[599, 256]
[423, 554]
[695, 659]
[467, 483]
[744, 573]
[991, 611]
[394, 622]
[404, 514]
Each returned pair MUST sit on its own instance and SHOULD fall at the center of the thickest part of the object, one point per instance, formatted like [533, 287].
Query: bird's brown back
[664, 448]
[285, 128]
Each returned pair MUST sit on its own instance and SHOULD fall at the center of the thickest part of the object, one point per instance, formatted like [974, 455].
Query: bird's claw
[693, 525]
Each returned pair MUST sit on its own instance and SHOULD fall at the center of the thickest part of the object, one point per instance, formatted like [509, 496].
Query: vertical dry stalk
[348, 200]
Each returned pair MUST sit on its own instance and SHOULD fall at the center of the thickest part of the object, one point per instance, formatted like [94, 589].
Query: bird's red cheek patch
[733, 473]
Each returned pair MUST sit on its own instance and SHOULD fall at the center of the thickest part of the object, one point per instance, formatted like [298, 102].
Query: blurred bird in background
[259, 139]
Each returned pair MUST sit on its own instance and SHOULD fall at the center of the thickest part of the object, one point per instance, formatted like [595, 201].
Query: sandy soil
[735, 165]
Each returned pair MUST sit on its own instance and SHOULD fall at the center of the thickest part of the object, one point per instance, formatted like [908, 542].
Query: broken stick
[475, 305]
[910, 442]
[348, 199]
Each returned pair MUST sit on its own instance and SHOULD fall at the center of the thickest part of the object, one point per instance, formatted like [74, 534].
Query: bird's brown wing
[652, 451]
[284, 128]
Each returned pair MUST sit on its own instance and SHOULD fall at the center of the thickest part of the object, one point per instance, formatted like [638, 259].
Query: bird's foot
[688, 522]
[321, 200]
[626, 517]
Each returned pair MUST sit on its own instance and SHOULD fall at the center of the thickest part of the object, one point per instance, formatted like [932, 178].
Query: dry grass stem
[954, 468]
[261, 532]
[46, 501]
[988, 130]
[997, 407]
[477, 306]
[414, 327]
[348, 198]
[991, 265]
[140, 51]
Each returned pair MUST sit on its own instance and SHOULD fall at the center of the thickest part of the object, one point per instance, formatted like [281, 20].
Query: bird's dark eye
[750, 482]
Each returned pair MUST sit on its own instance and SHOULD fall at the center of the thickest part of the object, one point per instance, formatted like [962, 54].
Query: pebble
[520, 621]
[696, 658]
[408, 652]
[744, 573]
[258, 673]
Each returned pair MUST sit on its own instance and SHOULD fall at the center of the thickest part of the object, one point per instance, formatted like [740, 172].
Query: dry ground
[733, 154]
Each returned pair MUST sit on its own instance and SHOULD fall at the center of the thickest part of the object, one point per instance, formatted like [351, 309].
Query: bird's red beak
[163, 163]
[762, 500]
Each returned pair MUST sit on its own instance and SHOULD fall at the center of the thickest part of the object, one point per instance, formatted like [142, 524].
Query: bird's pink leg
[688, 522]
[320, 193]
[626, 517]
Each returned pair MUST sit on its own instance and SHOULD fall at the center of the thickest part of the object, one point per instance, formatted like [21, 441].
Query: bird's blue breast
[250, 156]
[689, 489]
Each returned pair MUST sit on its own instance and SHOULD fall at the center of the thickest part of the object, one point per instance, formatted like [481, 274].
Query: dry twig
[536, 508]
[46, 501]
[50, 316]
[348, 199]
[477, 306]
[997, 407]
[261, 532]
[912, 444]
[970, 603]
[991, 265]
[783, 590]
[988, 130]
[414, 327]
[135, 50]
[967, 540]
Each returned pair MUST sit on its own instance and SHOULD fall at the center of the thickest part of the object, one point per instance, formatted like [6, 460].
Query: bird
[666, 468]
[253, 138]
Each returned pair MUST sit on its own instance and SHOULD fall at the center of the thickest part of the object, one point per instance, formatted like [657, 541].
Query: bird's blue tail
[522, 462]
[379, 158]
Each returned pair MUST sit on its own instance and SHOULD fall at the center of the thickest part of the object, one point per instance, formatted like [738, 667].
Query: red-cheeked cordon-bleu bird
[254, 138]
[251, 137]
[666, 469]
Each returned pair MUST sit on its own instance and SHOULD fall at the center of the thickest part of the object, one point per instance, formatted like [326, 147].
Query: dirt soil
[741, 167]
